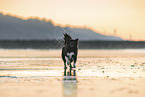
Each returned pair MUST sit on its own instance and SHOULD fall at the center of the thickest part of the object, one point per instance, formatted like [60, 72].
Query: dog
[69, 51]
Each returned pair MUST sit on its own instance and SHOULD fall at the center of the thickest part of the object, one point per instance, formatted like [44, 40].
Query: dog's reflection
[69, 83]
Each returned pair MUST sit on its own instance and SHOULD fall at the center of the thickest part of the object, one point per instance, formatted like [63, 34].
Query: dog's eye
[71, 44]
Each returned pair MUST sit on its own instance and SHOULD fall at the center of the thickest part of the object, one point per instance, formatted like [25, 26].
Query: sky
[126, 18]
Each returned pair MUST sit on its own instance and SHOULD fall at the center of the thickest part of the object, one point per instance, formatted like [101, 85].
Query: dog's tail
[66, 37]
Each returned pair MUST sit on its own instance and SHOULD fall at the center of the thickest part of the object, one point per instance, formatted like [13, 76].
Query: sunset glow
[126, 16]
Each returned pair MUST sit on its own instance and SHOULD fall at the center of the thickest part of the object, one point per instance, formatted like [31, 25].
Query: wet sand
[103, 73]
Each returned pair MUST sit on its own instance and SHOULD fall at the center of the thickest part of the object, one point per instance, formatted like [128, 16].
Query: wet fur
[69, 51]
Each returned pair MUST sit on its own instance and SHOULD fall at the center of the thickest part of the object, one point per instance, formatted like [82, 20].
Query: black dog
[69, 51]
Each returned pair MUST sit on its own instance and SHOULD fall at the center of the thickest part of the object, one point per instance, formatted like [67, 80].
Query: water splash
[58, 32]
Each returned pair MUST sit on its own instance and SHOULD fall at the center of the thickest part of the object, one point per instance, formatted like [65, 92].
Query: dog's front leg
[75, 59]
[69, 64]
[65, 65]
[74, 65]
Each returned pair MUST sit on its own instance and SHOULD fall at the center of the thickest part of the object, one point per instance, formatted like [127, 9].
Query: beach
[103, 73]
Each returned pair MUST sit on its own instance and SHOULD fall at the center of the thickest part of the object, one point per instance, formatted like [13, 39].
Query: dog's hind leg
[68, 63]
[70, 71]
[70, 66]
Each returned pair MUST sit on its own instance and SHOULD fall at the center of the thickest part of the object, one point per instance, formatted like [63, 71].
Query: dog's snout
[71, 44]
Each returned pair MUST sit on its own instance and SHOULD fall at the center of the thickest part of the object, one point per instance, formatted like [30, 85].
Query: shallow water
[102, 73]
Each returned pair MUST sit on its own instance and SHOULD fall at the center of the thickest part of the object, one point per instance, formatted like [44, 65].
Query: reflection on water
[69, 83]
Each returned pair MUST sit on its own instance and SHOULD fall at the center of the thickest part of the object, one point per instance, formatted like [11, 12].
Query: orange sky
[127, 16]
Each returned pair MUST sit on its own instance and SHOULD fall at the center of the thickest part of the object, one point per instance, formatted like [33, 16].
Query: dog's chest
[70, 54]
[68, 57]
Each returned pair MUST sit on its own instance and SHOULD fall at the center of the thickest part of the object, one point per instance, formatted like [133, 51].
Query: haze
[126, 16]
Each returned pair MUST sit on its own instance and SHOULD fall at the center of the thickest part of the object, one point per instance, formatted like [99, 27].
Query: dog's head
[72, 43]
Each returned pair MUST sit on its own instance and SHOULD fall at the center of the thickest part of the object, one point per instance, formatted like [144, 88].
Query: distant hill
[13, 28]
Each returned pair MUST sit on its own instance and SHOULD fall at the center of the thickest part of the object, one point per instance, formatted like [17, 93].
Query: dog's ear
[77, 40]
[64, 34]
